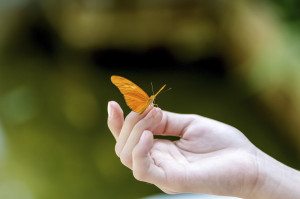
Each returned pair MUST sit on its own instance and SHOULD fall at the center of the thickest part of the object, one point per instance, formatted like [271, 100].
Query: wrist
[275, 180]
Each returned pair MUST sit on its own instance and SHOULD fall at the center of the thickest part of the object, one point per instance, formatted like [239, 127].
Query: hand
[210, 157]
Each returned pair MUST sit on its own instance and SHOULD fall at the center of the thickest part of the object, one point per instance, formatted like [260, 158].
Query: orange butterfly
[137, 99]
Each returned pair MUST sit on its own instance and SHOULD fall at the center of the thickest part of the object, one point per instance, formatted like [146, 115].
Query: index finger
[174, 124]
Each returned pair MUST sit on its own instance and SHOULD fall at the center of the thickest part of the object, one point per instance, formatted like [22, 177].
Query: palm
[208, 153]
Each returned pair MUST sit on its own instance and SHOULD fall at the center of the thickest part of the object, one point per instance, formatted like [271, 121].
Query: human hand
[210, 156]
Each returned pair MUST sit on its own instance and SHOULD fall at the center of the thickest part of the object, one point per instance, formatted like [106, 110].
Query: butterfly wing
[135, 97]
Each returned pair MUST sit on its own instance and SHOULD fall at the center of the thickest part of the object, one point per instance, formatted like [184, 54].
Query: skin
[210, 157]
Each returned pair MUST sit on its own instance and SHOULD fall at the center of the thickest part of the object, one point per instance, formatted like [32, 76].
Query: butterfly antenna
[166, 90]
[152, 88]
[160, 91]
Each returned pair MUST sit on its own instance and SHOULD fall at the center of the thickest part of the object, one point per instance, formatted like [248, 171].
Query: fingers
[143, 166]
[174, 124]
[115, 118]
[149, 122]
[130, 121]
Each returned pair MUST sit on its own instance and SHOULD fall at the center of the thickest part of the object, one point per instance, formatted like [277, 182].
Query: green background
[55, 85]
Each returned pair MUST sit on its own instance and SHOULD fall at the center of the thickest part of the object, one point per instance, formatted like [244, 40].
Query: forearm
[276, 180]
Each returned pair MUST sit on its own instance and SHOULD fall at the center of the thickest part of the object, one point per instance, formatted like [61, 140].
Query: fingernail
[109, 110]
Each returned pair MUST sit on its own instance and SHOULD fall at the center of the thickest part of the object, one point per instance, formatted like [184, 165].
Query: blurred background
[233, 61]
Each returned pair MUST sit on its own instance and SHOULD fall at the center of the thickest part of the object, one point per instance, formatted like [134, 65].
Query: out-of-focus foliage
[234, 61]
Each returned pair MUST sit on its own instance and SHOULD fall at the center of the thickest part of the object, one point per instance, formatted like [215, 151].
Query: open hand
[210, 156]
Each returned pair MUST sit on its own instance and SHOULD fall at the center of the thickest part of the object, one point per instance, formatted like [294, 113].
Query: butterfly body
[137, 99]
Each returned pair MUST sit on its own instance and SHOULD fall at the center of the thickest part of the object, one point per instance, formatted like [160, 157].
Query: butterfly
[137, 99]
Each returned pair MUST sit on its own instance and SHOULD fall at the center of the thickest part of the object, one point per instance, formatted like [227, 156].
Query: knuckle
[131, 117]
[139, 175]
[147, 121]
[125, 159]
[117, 150]
[194, 117]
[142, 124]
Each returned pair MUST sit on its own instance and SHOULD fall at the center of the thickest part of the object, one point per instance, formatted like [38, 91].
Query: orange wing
[134, 96]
